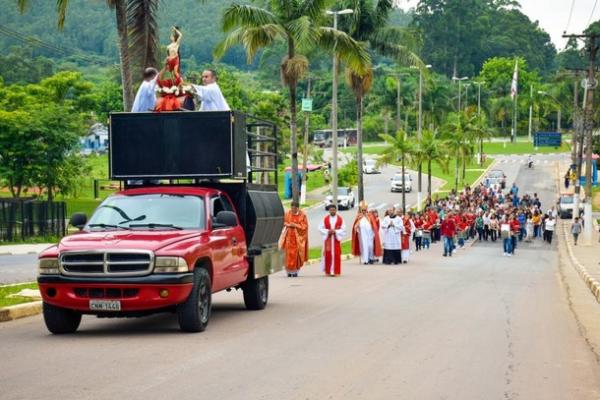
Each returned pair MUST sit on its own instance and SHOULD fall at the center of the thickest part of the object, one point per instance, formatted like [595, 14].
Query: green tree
[137, 30]
[298, 24]
[432, 150]
[458, 142]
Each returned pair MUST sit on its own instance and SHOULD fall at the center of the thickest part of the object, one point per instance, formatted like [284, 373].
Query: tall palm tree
[399, 149]
[360, 84]
[456, 140]
[369, 24]
[298, 24]
[433, 151]
[137, 30]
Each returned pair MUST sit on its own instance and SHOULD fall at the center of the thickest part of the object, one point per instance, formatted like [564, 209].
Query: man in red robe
[409, 228]
[294, 239]
[333, 231]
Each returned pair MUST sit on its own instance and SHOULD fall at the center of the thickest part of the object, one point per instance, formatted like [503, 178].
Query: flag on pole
[515, 79]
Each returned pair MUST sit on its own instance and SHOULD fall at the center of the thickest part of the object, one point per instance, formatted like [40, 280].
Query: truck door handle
[234, 241]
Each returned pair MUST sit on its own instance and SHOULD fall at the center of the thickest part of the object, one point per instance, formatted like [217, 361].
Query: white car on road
[345, 198]
[399, 185]
[370, 167]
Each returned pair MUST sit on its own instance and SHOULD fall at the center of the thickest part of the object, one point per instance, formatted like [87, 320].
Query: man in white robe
[391, 229]
[145, 98]
[210, 93]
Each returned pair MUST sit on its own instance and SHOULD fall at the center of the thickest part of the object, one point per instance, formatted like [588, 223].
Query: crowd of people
[490, 214]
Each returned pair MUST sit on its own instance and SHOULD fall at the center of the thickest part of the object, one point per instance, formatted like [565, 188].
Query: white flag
[515, 79]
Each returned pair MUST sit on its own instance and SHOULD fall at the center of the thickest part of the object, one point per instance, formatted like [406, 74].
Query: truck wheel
[193, 315]
[61, 320]
[256, 293]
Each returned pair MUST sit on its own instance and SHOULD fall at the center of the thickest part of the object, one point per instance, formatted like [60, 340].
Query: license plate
[105, 305]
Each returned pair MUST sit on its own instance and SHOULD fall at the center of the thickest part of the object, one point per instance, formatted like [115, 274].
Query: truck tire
[60, 320]
[193, 315]
[256, 293]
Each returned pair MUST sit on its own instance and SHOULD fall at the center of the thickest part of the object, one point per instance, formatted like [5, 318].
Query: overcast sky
[552, 15]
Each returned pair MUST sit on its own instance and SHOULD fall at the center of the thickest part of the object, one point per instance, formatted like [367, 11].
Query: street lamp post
[334, 135]
[420, 128]
[479, 119]
[464, 78]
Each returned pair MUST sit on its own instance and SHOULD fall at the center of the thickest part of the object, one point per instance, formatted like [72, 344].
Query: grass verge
[6, 291]
[521, 148]
[315, 252]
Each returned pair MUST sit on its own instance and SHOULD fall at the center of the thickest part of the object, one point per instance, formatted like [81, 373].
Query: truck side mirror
[78, 220]
[225, 219]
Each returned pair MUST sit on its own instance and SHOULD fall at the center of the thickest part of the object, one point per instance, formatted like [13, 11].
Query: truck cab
[166, 246]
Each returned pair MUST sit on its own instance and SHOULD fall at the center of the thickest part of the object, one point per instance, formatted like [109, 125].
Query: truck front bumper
[143, 293]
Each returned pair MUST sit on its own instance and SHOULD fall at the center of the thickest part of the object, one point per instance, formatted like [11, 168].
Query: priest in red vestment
[294, 239]
[333, 230]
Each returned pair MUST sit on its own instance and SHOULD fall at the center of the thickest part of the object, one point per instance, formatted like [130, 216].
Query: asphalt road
[474, 326]
[18, 268]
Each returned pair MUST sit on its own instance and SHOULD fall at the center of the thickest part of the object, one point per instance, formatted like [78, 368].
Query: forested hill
[90, 27]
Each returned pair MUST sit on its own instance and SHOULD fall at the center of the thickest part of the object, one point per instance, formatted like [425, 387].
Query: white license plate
[105, 305]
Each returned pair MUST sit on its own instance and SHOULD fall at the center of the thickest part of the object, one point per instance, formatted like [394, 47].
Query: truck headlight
[48, 266]
[169, 265]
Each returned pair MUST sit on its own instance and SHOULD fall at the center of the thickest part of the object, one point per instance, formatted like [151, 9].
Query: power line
[592, 14]
[570, 15]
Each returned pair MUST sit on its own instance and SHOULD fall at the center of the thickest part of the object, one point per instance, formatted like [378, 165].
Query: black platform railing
[21, 219]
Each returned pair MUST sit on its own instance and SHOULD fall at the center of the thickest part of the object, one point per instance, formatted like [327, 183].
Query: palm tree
[138, 36]
[360, 85]
[432, 150]
[457, 142]
[368, 24]
[298, 24]
[398, 149]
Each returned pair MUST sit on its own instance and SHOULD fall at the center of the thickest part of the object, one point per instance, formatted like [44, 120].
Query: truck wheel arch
[205, 263]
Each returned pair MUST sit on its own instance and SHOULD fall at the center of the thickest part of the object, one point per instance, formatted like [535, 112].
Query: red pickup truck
[164, 247]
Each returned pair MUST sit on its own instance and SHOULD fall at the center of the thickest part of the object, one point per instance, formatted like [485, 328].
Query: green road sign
[307, 105]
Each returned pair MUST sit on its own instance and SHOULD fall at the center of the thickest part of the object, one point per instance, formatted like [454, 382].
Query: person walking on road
[549, 226]
[333, 230]
[448, 230]
[365, 236]
[576, 229]
[506, 235]
[392, 228]
[294, 239]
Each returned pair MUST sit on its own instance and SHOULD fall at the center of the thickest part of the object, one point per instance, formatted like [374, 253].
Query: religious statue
[170, 83]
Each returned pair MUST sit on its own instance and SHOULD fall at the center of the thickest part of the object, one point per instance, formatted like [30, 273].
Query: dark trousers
[513, 245]
[549, 236]
[480, 233]
[493, 235]
[486, 232]
[418, 242]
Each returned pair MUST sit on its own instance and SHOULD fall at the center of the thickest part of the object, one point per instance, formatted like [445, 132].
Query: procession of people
[488, 214]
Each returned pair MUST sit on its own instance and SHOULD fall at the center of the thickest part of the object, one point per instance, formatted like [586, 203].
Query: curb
[484, 173]
[10, 253]
[590, 282]
[20, 311]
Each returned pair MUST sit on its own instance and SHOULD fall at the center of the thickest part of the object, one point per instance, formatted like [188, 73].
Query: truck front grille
[109, 263]
[103, 293]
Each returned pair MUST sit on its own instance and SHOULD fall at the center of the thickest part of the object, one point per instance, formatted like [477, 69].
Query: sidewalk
[585, 259]
[21, 249]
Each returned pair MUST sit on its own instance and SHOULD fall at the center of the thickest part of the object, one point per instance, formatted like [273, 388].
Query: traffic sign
[307, 105]
[547, 139]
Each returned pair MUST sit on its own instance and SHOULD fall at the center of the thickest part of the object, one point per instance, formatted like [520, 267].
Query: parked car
[398, 185]
[345, 198]
[566, 204]
[495, 178]
[370, 167]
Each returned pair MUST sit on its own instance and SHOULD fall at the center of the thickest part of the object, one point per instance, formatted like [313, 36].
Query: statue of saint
[169, 79]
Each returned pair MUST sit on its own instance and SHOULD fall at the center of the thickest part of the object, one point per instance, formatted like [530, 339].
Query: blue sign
[547, 139]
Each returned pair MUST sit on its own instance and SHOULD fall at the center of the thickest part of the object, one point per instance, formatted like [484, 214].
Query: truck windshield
[149, 211]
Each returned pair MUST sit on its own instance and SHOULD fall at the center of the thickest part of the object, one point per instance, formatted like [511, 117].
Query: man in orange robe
[366, 242]
[294, 239]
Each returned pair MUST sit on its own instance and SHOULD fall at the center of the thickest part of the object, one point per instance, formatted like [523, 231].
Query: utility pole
[530, 112]
[334, 133]
[479, 119]
[305, 155]
[589, 84]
